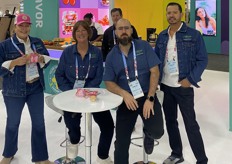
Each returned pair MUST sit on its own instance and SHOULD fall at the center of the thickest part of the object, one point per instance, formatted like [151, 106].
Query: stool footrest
[64, 160]
[141, 162]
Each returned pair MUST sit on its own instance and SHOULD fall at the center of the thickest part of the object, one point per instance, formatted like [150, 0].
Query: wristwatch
[150, 98]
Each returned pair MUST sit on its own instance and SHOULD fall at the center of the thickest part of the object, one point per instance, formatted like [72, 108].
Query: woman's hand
[20, 61]
[41, 58]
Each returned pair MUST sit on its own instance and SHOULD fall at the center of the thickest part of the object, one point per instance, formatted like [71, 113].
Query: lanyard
[135, 64]
[34, 49]
[167, 51]
[114, 37]
[88, 68]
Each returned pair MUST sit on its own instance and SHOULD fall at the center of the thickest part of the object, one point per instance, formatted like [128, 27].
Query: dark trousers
[184, 97]
[125, 122]
[105, 123]
[14, 108]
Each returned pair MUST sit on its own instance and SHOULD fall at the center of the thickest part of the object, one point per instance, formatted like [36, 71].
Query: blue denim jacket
[191, 50]
[14, 84]
[66, 70]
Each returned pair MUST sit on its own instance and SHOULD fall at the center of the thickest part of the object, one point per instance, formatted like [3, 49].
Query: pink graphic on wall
[68, 17]
[70, 11]
[103, 3]
[103, 18]
[89, 10]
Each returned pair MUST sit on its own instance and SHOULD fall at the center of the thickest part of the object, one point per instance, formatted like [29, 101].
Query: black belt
[33, 80]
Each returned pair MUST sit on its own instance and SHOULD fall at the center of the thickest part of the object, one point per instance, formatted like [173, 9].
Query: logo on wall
[52, 80]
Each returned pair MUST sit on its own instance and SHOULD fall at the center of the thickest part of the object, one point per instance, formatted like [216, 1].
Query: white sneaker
[72, 151]
[104, 161]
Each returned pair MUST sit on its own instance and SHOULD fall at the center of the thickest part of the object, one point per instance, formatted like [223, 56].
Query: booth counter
[51, 86]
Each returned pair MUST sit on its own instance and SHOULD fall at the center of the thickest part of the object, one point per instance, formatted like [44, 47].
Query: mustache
[124, 34]
[171, 18]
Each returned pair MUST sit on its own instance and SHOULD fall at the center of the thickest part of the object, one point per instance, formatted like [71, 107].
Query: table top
[68, 101]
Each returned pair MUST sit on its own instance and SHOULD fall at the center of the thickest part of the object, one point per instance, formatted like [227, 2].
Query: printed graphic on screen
[205, 16]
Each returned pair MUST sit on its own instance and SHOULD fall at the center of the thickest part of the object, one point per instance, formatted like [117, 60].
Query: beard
[125, 40]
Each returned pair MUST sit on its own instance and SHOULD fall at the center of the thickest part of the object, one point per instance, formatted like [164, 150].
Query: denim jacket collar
[182, 29]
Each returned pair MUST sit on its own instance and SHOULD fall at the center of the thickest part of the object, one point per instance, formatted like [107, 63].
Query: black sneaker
[148, 144]
[173, 160]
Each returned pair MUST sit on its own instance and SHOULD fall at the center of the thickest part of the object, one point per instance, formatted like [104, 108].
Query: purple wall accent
[55, 53]
[225, 26]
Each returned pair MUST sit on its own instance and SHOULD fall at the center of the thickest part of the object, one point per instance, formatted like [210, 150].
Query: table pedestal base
[141, 162]
[63, 160]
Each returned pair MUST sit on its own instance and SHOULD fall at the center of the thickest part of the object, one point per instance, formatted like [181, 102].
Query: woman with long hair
[205, 23]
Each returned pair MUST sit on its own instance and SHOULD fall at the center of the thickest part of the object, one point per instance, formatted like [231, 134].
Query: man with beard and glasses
[182, 52]
[132, 72]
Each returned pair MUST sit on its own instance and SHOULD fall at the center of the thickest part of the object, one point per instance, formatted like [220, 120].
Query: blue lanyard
[88, 67]
[135, 64]
[34, 49]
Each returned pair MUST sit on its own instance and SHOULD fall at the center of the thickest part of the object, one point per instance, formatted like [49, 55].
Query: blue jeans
[14, 108]
[184, 97]
[125, 122]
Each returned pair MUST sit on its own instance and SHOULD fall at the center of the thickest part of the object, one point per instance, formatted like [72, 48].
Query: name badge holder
[172, 63]
[31, 67]
[172, 67]
[81, 83]
[135, 86]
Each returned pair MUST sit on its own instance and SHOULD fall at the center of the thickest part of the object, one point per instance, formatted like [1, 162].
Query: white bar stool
[66, 142]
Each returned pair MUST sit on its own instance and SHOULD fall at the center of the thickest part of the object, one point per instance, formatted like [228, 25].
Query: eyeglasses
[123, 27]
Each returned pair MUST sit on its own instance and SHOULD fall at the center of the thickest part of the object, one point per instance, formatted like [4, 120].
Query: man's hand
[185, 83]
[129, 100]
[148, 108]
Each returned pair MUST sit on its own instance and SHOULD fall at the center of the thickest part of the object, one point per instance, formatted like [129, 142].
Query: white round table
[68, 101]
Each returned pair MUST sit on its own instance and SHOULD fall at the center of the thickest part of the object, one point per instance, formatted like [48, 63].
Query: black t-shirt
[109, 40]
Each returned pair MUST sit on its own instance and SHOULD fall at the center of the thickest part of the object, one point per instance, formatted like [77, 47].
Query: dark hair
[85, 25]
[197, 18]
[175, 4]
[115, 10]
[88, 15]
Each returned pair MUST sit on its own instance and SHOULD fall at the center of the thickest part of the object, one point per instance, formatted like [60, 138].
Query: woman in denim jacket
[81, 66]
[22, 59]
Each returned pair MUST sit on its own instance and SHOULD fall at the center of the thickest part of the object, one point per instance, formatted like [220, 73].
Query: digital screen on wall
[205, 17]
[70, 11]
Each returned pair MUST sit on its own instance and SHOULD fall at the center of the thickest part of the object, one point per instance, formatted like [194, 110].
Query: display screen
[205, 17]
[70, 11]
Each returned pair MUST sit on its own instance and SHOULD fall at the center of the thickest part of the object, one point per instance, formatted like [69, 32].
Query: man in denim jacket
[183, 55]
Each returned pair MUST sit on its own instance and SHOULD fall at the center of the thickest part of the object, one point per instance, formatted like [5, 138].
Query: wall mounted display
[205, 17]
[70, 11]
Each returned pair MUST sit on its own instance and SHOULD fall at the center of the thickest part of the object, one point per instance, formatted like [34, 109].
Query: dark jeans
[125, 122]
[105, 123]
[184, 97]
[14, 108]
